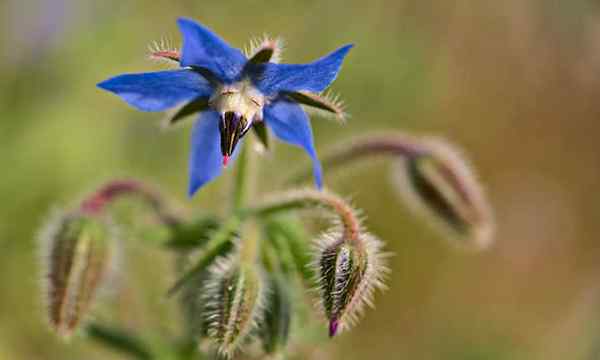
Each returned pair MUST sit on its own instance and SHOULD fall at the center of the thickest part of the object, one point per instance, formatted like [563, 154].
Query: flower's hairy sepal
[78, 253]
[327, 104]
[275, 328]
[348, 274]
[163, 51]
[265, 49]
[233, 303]
[439, 183]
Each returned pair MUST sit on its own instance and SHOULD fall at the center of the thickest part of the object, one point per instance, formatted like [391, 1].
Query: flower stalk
[396, 145]
[308, 198]
[116, 189]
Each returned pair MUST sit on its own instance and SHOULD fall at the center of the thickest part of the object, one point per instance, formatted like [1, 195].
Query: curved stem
[392, 145]
[116, 189]
[309, 198]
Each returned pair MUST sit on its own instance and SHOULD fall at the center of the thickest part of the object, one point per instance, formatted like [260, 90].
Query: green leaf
[193, 234]
[289, 232]
[219, 243]
[119, 340]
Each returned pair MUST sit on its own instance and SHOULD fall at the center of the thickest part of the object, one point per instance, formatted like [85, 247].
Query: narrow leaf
[120, 340]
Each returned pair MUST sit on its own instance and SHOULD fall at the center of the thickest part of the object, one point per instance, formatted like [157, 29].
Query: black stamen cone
[232, 127]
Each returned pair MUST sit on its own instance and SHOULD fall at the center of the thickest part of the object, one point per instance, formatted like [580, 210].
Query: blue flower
[233, 93]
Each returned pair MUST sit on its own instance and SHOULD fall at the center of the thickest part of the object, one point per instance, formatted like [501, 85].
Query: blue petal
[291, 124]
[206, 160]
[203, 48]
[205, 157]
[158, 91]
[271, 78]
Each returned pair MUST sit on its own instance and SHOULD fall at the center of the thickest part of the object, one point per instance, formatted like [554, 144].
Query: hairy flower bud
[439, 182]
[78, 252]
[349, 272]
[233, 301]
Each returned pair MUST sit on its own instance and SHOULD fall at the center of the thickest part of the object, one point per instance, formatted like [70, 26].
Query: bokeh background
[515, 83]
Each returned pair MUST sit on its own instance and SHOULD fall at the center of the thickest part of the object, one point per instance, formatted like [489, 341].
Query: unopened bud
[233, 301]
[349, 272]
[78, 252]
[439, 183]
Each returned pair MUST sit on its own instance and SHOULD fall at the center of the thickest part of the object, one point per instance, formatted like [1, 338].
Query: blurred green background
[515, 83]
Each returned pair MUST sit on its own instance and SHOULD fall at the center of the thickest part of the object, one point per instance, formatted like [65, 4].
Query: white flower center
[241, 98]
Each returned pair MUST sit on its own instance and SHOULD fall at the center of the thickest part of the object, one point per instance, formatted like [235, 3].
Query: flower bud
[233, 301]
[78, 252]
[349, 272]
[439, 183]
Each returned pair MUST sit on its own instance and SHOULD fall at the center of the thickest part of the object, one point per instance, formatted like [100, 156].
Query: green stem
[250, 241]
[212, 249]
[240, 190]
[250, 246]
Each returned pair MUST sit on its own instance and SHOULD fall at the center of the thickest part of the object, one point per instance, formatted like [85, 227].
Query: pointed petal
[271, 78]
[158, 91]
[291, 124]
[206, 160]
[203, 48]
[205, 157]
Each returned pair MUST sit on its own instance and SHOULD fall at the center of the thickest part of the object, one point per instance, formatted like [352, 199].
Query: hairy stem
[309, 198]
[240, 189]
[116, 189]
[390, 145]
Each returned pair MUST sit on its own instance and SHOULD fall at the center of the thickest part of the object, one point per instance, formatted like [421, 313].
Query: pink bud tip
[333, 327]
[225, 160]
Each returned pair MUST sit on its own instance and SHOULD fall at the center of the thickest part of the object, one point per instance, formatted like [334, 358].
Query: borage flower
[233, 93]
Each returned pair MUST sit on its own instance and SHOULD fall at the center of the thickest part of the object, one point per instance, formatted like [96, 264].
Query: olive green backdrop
[515, 83]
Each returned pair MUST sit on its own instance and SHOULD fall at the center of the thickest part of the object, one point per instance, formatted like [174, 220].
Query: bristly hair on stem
[115, 189]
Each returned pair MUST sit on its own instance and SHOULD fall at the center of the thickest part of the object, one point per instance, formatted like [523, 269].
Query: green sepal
[262, 133]
[190, 108]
